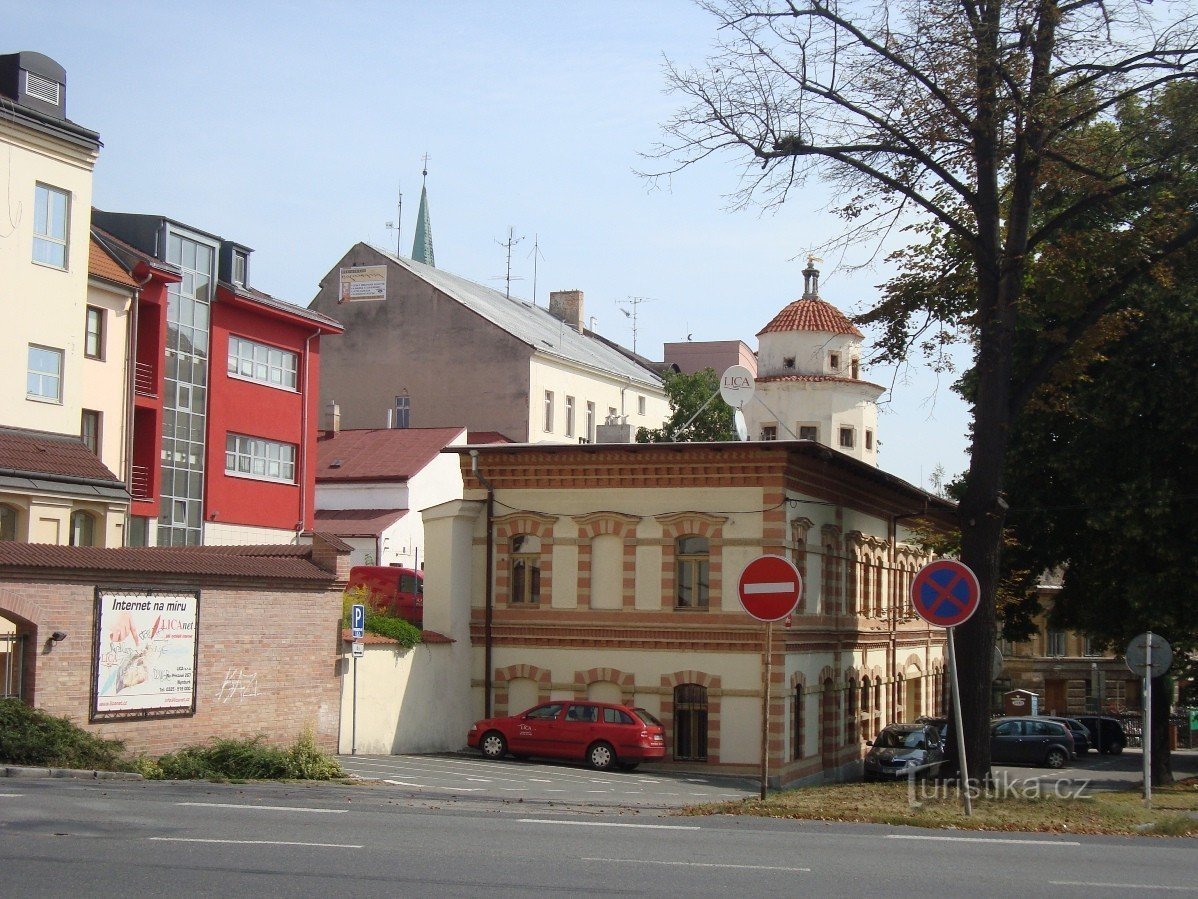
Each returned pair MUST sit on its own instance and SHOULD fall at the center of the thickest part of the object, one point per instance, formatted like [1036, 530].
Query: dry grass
[1174, 811]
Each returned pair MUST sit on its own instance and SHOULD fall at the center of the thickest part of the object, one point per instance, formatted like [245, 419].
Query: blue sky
[291, 126]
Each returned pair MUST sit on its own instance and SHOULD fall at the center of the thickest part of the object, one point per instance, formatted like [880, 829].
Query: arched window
[690, 722]
[526, 569]
[8, 523]
[867, 730]
[83, 529]
[850, 712]
[692, 557]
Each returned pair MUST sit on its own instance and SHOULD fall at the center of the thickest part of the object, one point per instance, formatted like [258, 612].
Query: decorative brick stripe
[503, 676]
[712, 683]
[624, 680]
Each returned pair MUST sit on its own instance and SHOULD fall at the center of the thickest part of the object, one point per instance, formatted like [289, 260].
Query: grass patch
[1025, 808]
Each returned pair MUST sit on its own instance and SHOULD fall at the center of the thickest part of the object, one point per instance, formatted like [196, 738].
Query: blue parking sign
[357, 620]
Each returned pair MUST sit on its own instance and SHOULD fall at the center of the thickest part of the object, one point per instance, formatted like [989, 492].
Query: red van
[393, 588]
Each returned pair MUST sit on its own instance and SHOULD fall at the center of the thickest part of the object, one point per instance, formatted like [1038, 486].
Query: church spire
[422, 246]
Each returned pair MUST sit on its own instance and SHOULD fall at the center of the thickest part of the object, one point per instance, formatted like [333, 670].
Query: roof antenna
[398, 223]
[535, 254]
[511, 241]
[633, 302]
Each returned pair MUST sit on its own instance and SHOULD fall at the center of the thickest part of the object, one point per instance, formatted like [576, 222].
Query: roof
[331, 325]
[379, 454]
[104, 263]
[813, 379]
[487, 437]
[44, 454]
[128, 255]
[812, 314]
[531, 324]
[357, 522]
[277, 562]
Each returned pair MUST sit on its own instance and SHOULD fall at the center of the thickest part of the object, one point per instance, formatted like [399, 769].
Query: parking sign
[357, 620]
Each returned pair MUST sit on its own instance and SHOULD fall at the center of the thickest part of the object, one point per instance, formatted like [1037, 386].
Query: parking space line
[267, 808]
[1120, 886]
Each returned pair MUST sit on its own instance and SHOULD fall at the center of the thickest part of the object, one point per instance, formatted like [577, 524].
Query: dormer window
[241, 264]
[834, 361]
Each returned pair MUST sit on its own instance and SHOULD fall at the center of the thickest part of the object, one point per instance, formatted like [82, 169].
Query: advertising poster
[363, 282]
[145, 651]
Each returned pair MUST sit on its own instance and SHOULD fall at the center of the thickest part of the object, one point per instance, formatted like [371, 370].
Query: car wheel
[627, 766]
[601, 756]
[1116, 747]
[1056, 758]
[493, 745]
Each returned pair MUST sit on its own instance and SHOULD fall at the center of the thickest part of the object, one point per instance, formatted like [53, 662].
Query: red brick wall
[268, 662]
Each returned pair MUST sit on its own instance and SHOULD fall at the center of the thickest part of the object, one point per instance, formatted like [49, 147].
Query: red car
[598, 733]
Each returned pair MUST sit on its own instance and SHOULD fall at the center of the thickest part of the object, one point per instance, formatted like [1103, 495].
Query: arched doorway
[690, 722]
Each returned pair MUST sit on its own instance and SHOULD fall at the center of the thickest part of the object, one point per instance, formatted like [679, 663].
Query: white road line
[11, 795]
[400, 783]
[258, 842]
[645, 861]
[896, 836]
[1121, 886]
[605, 824]
[267, 808]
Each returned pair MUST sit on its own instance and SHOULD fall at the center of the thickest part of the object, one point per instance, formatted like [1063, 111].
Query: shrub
[31, 736]
[380, 621]
[245, 760]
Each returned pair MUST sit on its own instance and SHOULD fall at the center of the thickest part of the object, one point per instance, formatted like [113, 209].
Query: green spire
[422, 246]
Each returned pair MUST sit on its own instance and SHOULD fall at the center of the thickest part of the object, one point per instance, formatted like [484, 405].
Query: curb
[23, 771]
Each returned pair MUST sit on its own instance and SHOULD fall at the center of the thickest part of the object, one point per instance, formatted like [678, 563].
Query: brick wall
[268, 661]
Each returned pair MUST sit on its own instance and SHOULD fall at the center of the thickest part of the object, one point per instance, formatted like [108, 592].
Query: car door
[575, 730]
[1006, 740]
[533, 731]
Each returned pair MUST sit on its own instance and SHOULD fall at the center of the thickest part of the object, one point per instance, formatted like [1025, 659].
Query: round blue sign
[945, 593]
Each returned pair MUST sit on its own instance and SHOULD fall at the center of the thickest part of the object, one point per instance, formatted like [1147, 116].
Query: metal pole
[962, 764]
[1097, 709]
[767, 659]
[353, 732]
[1146, 738]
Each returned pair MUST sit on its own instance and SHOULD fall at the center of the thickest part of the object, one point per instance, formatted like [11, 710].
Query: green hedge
[30, 736]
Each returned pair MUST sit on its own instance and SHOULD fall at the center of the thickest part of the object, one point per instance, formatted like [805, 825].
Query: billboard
[145, 650]
[363, 282]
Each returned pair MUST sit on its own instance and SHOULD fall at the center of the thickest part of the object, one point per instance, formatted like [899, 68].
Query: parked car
[1030, 741]
[899, 748]
[391, 588]
[1081, 733]
[598, 733]
[1108, 733]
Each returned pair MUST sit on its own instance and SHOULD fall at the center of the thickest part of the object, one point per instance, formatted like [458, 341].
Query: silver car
[902, 749]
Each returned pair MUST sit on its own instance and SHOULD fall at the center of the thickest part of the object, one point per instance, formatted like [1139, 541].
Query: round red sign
[945, 593]
[770, 587]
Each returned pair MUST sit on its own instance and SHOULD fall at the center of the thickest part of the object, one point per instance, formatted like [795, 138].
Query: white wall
[606, 392]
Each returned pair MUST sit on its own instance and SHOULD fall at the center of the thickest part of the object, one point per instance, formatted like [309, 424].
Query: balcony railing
[139, 486]
[144, 381]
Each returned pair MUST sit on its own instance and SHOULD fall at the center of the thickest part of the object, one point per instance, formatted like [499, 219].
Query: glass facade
[184, 413]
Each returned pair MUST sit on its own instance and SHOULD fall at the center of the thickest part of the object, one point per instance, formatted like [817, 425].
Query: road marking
[606, 824]
[540, 780]
[258, 842]
[401, 783]
[268, 808]
[645, 861]
[1121, 886]
[896, 836]
[11, 795]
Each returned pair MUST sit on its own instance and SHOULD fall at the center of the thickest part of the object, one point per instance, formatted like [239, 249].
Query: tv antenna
[508, 278]
[397, 224]
[535, 254]
[634, 302]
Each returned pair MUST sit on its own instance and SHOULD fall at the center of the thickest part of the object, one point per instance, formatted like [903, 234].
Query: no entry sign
[945, 593]
[770, 587]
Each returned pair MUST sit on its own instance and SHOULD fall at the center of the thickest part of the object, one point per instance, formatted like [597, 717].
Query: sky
[292, 128]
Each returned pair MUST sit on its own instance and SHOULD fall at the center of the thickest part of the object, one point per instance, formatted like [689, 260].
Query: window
[796, 723]
[264, 364]
[856, 365]
[809, 432]
[257, 458]
[834, 361]
[769, 432]
[869, 439]
[1056, 643]
[693, 556]
[588, 714]
[526, 569]
[8, 523]
[546, 712]
[89, 429]
[569, 416]
[1090, 647]
[93, 339]
[548, 411]
[240, 263]
[640, 405]
[403, 411]
[590, 434]
[850, 712]
[44, 381]
[846, 438]
[690, 722]
[83, 529]
[51, 210]
[615, 716]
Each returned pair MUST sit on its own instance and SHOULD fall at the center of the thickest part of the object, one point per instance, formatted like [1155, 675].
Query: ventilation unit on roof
[35, 82]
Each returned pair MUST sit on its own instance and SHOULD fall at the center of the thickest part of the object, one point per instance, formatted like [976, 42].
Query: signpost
[1149, 655]
[357, 623]
[769, 590]
[946, 593]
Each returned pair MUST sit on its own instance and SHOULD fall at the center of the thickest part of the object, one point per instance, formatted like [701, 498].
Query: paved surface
[1105, 772]
[467, 775]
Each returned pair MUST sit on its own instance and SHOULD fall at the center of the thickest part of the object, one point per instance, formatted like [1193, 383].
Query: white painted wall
[607, 392]
[105, 383]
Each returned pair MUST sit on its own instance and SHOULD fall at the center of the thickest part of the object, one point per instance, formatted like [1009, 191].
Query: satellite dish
[742, 429]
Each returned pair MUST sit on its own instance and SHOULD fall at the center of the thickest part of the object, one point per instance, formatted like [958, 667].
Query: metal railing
[144, 380]
[139, 482]
[11, 655]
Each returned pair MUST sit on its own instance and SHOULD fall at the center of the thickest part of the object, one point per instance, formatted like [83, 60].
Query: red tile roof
[487, 437]
[386, 454]
[811, 379]
[51, 455]
[811, 315]
[255, 563]
[103, 264]
[357, 522]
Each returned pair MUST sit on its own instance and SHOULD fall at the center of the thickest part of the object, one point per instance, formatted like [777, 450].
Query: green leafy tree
[951, 114]
[695, 415]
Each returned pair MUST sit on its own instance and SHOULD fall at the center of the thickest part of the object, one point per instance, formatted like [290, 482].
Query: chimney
[34, 81]
[567, 305]
[332, 419]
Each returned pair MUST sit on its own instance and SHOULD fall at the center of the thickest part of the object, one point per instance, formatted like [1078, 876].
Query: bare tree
[948, 112]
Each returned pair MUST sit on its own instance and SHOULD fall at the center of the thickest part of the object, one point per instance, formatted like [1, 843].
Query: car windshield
[901, 739]
[647, 717]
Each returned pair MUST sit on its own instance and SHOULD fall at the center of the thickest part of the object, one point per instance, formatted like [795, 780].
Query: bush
[244, 760]
[380, 621]
[31, 736]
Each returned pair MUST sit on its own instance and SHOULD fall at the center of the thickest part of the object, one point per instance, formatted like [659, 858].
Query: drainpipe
[489, 601]
[303, 442]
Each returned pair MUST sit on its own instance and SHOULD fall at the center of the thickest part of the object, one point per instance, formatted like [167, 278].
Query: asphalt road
[130, 839]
